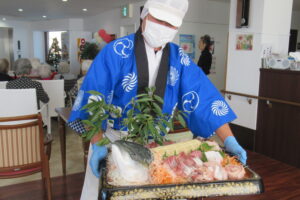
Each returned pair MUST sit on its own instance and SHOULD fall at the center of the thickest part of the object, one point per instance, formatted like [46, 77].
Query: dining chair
[55, 91]
[19, 102]
[22, 149]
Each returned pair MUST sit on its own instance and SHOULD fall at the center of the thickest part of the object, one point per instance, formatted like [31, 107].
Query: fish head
[137, 152]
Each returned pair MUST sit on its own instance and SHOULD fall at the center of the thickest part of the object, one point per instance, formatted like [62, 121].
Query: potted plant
[144, 119]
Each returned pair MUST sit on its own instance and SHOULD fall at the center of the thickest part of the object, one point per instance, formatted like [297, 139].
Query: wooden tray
[252, 184]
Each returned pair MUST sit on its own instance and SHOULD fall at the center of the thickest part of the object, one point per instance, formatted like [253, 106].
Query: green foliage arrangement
[145, 119]
[90, 51]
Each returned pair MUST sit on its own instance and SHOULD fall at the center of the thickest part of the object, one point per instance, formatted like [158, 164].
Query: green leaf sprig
[204, 147]
[98, 111]
[145, 119]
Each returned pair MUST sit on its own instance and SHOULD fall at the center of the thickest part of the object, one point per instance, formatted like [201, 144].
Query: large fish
[136, 151]
[132, 160]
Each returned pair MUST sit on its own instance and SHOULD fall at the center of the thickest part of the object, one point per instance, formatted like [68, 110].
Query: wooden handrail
[262, 98]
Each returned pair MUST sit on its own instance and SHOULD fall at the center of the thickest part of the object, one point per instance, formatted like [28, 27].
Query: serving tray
[252, 184]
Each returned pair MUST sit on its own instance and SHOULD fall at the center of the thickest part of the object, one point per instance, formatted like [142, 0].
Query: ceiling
[56, 9]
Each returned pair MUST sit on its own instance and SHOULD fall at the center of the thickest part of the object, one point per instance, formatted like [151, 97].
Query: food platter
[183, 170]
[252, 184]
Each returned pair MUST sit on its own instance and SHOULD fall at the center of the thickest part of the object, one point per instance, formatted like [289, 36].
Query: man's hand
[230, 143]
[99, 153]
[232, 146]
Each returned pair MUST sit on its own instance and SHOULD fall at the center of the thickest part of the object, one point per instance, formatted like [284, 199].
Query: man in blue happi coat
[148, 58]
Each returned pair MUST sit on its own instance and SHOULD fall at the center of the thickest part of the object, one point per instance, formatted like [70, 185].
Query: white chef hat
[171, 11]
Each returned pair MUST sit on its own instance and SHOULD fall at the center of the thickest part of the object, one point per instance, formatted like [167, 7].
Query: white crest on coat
[173, 76]
[78, 100]
[184, 58]
[219, 108]
[95, 98]
[109, 97]
[122, 47]
[190, 101]
[129, 82]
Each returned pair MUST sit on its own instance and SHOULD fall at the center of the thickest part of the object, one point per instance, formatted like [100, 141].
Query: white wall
[51, 25]
[296, 23]
[269, 24]
[204, 17]
[21, 31]
[281, 20]
[39, 45]
[208, 12]
[277, 17]
[111, 20]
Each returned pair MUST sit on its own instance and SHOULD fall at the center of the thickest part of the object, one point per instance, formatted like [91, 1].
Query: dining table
[63, 114]
[281, 181]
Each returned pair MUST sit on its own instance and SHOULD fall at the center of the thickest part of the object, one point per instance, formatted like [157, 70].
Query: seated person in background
[23, 68]
[4, 65]
[64, 71]
[84, 69]
[45, 72]
[35, 63]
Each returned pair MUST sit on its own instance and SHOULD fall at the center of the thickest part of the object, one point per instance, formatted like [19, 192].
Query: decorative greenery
[145, 119]
[98, 112]
[90, 51]
[204, 147]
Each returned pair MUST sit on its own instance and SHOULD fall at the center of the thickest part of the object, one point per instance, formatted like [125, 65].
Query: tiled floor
[74, 154]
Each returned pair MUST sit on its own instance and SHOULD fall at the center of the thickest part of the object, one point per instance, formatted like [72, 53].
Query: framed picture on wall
[244, 42]
[187, 43]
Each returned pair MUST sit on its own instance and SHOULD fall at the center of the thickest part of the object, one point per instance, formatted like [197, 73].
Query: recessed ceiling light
[20, 10]
[64, 0]
[84, 9]
[3, 19]
[44, 16]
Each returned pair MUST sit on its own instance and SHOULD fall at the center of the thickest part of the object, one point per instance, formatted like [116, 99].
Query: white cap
[171, 11]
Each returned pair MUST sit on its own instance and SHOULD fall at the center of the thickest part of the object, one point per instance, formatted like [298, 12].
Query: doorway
[293, 40]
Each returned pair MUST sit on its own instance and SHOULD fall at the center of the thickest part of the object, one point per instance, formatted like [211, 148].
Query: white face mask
[157, 35]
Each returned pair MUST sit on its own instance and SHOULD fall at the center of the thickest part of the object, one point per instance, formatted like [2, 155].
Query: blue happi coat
[114, 74]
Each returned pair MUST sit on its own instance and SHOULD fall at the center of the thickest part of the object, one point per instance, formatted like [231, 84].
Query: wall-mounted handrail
[262, 98]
